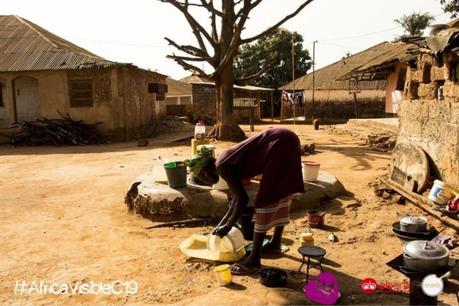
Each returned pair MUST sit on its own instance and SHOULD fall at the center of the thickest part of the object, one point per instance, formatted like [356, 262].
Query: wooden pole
[293, 77]
[272, 106]
[422, 203]
[313, 76]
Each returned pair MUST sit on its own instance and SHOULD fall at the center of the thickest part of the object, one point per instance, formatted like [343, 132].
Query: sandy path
[63, 220]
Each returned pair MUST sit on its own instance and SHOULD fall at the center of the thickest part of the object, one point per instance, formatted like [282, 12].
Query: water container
[310, 171]
[441, 192]
[200, 131]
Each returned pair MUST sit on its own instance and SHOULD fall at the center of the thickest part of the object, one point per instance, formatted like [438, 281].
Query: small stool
[315, 252]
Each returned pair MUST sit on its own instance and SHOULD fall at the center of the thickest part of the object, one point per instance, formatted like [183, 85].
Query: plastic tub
[176, 174]
[221, 184]
[310, 171]
[223, 274]
[441, 192]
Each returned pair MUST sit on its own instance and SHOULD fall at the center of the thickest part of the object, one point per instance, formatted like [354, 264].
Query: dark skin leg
[275, 243]
[254, 259]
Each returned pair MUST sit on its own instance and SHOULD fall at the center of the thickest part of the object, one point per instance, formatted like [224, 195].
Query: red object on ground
[453, 205]
[316, 219]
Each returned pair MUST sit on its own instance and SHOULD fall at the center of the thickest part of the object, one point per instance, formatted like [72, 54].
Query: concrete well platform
[155, 200]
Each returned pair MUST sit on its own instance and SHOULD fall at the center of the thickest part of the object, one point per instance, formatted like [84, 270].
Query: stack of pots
[422, 255]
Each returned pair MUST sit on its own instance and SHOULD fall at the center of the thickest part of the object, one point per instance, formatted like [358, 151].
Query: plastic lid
[222, 268]
[424, 249]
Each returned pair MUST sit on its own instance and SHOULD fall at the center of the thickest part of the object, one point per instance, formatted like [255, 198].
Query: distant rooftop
[26, 46]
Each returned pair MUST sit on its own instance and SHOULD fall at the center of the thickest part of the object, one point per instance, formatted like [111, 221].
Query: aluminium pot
[413, 224]
[425, 256]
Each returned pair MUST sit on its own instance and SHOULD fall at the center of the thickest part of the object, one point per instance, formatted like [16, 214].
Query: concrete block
[438, 73]
[428, 91]
[417, 76]
[451, 90]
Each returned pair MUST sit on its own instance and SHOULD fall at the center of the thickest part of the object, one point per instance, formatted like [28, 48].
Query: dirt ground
[63, 219]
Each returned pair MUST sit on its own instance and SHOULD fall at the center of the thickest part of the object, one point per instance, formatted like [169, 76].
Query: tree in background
[451, 6]
[415, 24]
[218, 46]
[273, 54]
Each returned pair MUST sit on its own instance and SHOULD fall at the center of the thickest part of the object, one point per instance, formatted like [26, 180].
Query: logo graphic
[323, 289]
[432, 285]
[368, 286]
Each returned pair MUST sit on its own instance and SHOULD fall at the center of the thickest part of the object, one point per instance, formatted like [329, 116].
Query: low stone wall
[155, 200]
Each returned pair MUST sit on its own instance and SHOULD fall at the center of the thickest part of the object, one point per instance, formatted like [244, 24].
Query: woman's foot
[245, 267]
[273, 248]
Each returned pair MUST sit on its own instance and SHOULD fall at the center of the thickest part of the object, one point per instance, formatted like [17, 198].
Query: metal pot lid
[413, 220]
[424, 249]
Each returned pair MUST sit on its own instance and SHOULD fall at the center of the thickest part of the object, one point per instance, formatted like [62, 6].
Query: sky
[133, 31]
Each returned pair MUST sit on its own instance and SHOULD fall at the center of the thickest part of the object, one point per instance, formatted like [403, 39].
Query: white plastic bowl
[232, 242]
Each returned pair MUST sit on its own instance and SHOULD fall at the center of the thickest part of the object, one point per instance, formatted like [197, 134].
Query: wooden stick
[422, 203]
[188, 222]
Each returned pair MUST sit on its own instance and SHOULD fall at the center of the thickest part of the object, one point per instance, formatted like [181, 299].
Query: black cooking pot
[273, 277]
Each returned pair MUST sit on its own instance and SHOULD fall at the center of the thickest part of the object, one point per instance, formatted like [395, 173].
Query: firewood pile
[64, 131]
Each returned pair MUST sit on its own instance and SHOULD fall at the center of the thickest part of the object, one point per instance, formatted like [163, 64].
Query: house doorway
[26, 97]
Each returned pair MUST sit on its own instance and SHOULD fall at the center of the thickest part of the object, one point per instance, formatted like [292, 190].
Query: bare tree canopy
[217, 44]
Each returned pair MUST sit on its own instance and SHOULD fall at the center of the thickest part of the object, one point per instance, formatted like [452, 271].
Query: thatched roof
[327, 77]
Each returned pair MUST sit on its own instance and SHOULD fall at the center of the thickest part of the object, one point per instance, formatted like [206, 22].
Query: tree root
[229, 132]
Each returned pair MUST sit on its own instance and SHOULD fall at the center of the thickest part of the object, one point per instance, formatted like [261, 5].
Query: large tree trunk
[226, 127]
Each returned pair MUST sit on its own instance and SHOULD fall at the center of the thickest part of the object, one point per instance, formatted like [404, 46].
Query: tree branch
[269, 30]
[188, 49]
[244, 80]
[210, 7]
[191, 59]
[198, 30]
[235, 40]
[192, 68]
[213, 22]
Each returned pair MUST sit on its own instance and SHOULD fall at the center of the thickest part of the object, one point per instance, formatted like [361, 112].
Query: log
[180, 223]
[422, 203]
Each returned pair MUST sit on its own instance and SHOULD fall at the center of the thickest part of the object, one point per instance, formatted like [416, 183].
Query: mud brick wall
[204, 103]
[338, 106]
[433, 123]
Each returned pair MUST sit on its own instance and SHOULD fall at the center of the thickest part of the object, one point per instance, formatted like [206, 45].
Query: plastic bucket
[441, 192]
[310, 171]
[176, 176]
[223, 274]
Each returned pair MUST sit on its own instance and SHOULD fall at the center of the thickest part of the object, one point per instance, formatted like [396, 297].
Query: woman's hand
[222, 231]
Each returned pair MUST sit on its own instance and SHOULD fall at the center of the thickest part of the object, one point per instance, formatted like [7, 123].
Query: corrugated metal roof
[194, 79]
[26, 46]
[177, 88]
[326, 77]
